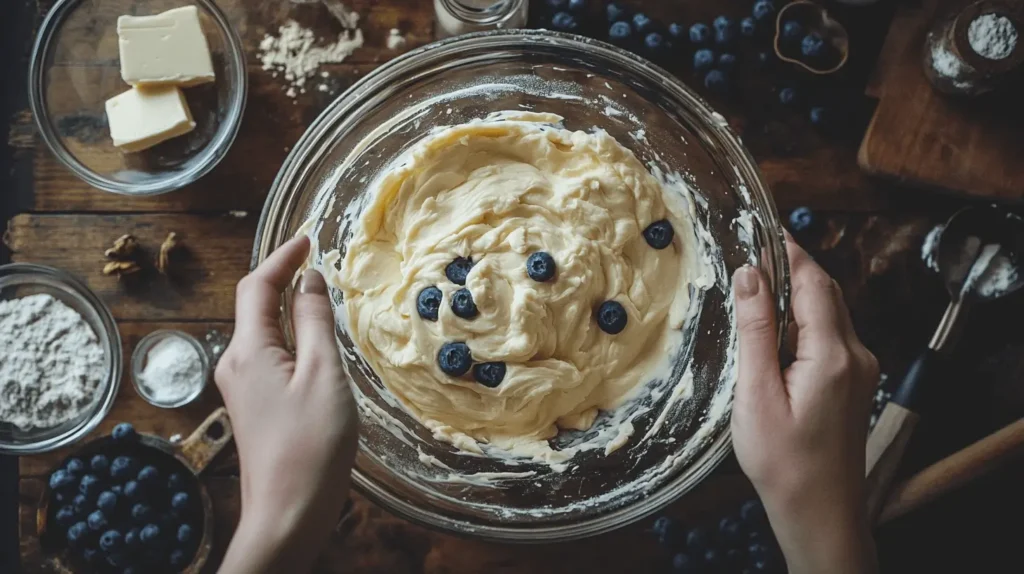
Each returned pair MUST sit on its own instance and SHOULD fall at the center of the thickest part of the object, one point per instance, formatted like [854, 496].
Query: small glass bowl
[140, 354]
[75, 69]
[19, 280]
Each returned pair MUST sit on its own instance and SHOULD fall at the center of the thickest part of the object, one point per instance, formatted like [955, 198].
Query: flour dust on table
[51, 363]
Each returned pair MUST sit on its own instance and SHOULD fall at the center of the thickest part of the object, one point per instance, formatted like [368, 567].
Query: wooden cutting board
[970, 146]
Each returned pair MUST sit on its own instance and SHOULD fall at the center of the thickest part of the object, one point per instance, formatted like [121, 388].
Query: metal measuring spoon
[979, 254]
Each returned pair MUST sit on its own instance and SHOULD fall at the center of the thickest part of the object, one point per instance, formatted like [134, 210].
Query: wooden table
[869, 240]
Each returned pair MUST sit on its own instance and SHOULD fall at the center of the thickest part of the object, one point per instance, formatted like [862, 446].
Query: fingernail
[312, 282]
[745, 282]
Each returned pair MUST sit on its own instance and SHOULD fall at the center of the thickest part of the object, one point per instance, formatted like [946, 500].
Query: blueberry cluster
[638, 32]
[455, 359]
[564, 15]
[121, 512]
[737, 544]
[716, 53]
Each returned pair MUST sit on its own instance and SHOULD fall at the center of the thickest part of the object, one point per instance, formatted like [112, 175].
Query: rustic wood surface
[920, 137]
[868, 236]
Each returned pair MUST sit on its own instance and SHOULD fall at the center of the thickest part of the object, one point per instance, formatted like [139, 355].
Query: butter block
[143, 117]
[166, 48]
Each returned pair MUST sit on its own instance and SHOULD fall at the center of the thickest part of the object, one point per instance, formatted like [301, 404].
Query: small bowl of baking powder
[170, 368]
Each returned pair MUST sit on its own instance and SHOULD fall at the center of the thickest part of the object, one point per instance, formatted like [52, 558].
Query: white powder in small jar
[173, 371]
[992, 36]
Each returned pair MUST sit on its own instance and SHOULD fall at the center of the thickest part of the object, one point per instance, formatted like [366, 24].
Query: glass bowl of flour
[447, 168]
[60, 359]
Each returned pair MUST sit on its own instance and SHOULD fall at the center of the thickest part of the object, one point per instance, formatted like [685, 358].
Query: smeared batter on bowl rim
[497, 190]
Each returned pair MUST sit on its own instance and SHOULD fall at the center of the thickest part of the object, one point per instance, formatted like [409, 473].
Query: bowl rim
[214, 151]
[303, 158]
[115, 352]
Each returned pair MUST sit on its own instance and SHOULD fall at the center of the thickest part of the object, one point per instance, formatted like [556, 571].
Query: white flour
[293, 54]
[173, 370]
[992, 36]
[395, 39]
[51, 363]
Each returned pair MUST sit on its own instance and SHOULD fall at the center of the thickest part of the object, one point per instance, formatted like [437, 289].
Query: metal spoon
[978, 257]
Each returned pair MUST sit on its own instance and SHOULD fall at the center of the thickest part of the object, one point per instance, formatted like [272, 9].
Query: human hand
[294, 418]
[800, 434]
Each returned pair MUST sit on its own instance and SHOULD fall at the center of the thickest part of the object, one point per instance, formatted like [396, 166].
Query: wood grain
[215, 254]
[923, 138]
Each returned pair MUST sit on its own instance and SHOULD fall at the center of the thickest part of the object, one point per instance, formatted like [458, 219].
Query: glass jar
[455, 17]
[953, 66]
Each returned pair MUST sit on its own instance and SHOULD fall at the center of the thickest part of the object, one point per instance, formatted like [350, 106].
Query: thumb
[313, 323]
[760, 377]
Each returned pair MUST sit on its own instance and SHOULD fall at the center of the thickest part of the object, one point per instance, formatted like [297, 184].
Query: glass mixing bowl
[590, 84]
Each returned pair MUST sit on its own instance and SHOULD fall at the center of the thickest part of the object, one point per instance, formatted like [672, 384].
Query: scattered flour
[173, 371]
[992, 36]
[51, 363]
[395, 39]
[293, 53]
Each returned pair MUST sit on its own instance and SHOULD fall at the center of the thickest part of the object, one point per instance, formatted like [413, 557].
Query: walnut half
[121, 268]
[163, 260]
[124, 247]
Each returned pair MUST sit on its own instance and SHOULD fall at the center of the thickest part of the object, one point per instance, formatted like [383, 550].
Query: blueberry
[752, 512]
[730, 530]
[463, 305]
[131, 538]
[724, 38]
[149, 476]
[133, 490]
[812, 45]
[142, 513]
[90, 486]
[620, 32]
[819, 116]
[556, 5]
[184, 533]
[458, 269]
[697, 541]
[489, 374]
[150, 534]
[611, 317]
[700, 33]
[682, 564]
[726, 61]
[428, 302]
[703, 59]
[801, 219]
[454, 359]
[787, 96]
[564, 21]
[107, 502]
[123, 468]
[75, 467]
[81, 504]
[792, 30]
[125, 432]
[77, 534]
[667, 531]
[659, 234]
[177, 559]
[722, 23]
[748, 27]
[61, 480]
[763, 10]
[758, 552]
[616, 12]
[176, 481]
[641, 23]
[66, 515]
[713, 558]
[100, 465]
[540, 266]
[577, 6]
[111, 541]
[654, 42]
[676, 31]
[97, 521]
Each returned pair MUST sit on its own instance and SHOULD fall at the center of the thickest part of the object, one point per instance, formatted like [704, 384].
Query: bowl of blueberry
[130, 503]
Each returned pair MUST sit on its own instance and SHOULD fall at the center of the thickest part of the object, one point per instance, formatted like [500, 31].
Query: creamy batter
[496, 191]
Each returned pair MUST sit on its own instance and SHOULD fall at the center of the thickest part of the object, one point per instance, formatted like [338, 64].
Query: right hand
[800, 434]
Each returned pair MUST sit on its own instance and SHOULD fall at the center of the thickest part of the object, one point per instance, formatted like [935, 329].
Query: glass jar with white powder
[170, 368]
[971, 52]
